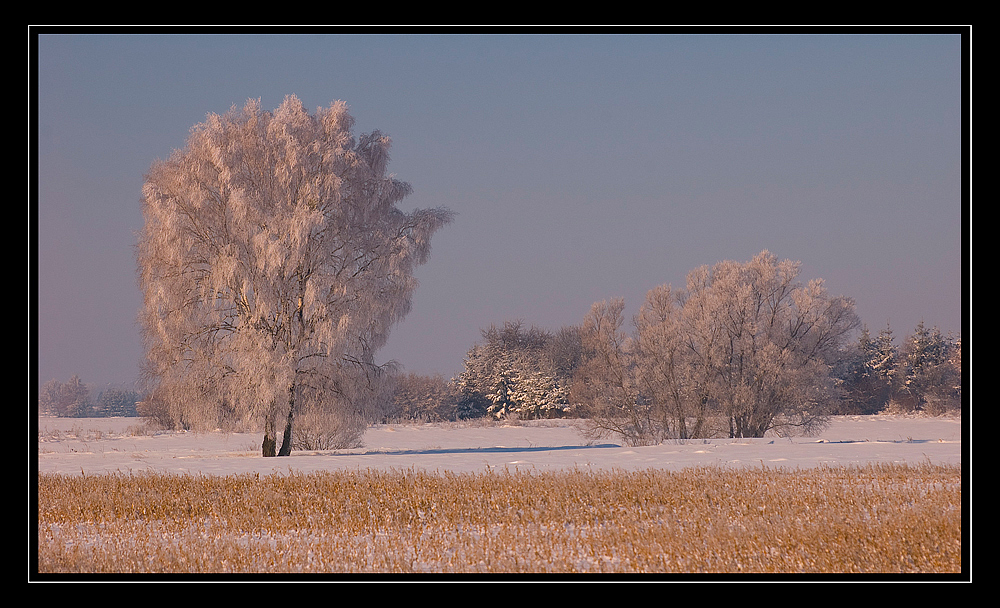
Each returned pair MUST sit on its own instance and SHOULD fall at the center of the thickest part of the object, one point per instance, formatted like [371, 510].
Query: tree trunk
[682, 432]
[286, 439]
[700, 422]
[267, 448]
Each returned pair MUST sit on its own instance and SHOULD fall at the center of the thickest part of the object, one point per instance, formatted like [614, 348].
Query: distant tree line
[530, 373]
[743, 349]
[74, 399]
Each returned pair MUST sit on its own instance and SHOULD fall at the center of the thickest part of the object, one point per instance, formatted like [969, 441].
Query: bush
[156, 411]
[325, 430]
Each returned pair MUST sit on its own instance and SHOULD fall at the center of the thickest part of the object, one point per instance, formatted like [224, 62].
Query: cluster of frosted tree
[70, 398]
[430, 398]
[73, 399]
[273, 262]
[923, 373]
[519, 372]
[744, 349]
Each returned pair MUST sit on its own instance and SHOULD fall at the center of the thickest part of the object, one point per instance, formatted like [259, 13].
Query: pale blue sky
[581, 166]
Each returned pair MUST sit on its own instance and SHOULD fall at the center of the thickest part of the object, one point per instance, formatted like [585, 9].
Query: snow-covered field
[105, 445]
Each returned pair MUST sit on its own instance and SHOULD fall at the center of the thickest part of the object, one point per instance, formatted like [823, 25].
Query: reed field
[875, 518]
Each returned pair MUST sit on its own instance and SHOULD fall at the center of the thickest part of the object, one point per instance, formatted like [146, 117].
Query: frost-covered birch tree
[273, 262]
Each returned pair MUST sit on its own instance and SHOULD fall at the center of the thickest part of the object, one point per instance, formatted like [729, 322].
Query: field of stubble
[866, 519]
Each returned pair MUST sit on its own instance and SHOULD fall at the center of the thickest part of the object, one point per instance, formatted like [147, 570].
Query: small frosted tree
[273, 263]
[511, 372]
[881, 356]
[48, 398]
[418, 396]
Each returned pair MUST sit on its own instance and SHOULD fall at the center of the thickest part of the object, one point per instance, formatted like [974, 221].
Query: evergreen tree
[881, 361]
[117, 402]
[868, 373]
[930, 378]
[511, 372]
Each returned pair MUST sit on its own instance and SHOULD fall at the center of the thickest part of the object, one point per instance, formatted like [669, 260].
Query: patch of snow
[106, 445]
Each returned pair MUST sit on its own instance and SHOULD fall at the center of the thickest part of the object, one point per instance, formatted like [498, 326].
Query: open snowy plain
[94, 446]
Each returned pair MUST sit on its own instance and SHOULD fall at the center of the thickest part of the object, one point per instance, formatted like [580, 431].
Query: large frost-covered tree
[273, 263]
[746, 342]
[765, 341]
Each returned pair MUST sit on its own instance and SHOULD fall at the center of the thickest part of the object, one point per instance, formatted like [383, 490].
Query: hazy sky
[581, 167]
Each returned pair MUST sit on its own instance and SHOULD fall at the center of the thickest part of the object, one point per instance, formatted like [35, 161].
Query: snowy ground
[103, 445]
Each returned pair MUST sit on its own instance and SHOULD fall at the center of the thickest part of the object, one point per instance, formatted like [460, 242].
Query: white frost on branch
[273, 263]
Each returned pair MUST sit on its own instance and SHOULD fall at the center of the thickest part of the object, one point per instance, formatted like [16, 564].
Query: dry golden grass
[874, 519]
